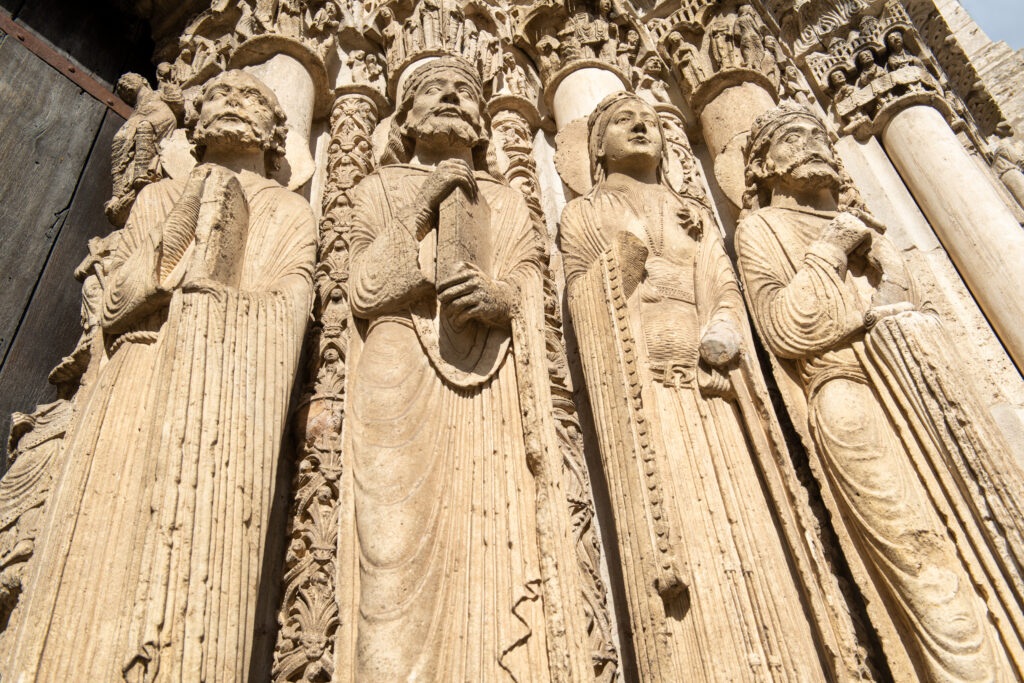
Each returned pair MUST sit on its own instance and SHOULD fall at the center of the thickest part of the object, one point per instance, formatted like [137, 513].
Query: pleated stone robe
[907, 457]
[159, 521]
[676, 458]
[451, 584]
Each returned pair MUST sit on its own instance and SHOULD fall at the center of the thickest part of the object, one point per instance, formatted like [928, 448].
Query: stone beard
[447, 512]
[653, 297]
[160, 516]
[859, 360]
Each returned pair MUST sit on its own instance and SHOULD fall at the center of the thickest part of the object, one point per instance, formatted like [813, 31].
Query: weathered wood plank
[47, 126]
[51, 324]
[101, 38]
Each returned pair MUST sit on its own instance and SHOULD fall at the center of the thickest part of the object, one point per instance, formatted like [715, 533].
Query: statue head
[129, 86]
[837, 79]
[652, 65]
[894, 41]
[442, 105]
[864, 58]
[237, 110]
[790, 147]
[625, 135]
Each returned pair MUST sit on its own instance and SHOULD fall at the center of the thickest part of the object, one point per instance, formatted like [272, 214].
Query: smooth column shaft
[974, 224]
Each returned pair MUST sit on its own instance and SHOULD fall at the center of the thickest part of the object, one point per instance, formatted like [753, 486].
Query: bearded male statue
[920, 488]
[465, 554]
[159, 520]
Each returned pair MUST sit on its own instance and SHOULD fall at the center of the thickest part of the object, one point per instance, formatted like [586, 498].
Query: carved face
[446, 109]
[837, 79]
[800, 156]
[237, 111]
[652, 66]
[632, 139]
[895, 41]
[865, 59]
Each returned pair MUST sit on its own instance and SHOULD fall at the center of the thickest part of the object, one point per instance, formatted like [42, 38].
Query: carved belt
[135, 337]
[673, 375]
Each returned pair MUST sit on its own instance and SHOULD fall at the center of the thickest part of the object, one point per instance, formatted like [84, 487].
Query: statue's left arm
[719, 303]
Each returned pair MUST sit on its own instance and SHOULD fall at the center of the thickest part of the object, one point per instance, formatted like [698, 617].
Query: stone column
[298, 77]
[727, 83]
[974, 224]
[310, 608]
[577, 93]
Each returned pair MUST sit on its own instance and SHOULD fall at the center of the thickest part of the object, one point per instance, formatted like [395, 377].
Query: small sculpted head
[625, 136]
[442, 106]
[790, 149]
[653, 65]
[129, 86]
[894, 41]
[837, 79]
[237, 111]
[864, 58]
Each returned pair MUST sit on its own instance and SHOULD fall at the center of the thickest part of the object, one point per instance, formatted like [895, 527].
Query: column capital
[714, 46]
[563, 38]
[875, 68]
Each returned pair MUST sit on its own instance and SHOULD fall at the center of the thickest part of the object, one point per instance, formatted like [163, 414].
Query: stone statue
[460, 532]
[871, 382]
[660, 325]
[748, 37]
[159, 522]
[135, 150]
[898, 55]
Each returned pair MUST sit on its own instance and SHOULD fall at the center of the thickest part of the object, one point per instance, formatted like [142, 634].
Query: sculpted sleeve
[716, 289]
[384, 274]
[131, 289]
[800, 308]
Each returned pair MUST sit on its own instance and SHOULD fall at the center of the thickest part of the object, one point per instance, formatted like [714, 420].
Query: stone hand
[846, 232]
[721, 343]
[470, 294]
[631, 253]
[448, 175]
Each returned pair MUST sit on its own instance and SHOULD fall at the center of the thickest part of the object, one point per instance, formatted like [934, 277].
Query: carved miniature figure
[626, 51]
[660, 323]
[747, 37]
[840, 87]
[899, 57]
[172, 463]
[871, 383]
[867, 68]
[550, 58]
[651, 80]
[456, 502]
[135, 150]
[722, 42]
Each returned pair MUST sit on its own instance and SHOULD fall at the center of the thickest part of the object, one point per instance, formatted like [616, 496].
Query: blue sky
[999, 19]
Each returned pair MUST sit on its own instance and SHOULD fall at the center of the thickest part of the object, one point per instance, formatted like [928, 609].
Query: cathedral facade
[565, 340]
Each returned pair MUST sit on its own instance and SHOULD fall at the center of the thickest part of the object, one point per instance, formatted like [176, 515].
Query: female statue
[660, 323]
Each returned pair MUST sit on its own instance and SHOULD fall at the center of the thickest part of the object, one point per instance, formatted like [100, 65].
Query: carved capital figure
[162, 507]
[872, 384]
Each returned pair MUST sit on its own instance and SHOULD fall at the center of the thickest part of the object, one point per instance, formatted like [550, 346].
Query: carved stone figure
[722, 45]
[867, 68]
[159, 521]
[659, 321]
[650, 82]
[135, 150]
[871, 383]
[898, 55]
[748, 37]
[465, 545]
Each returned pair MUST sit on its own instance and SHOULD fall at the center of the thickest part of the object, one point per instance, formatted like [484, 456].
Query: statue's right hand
[449, 174]
[846, 232]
